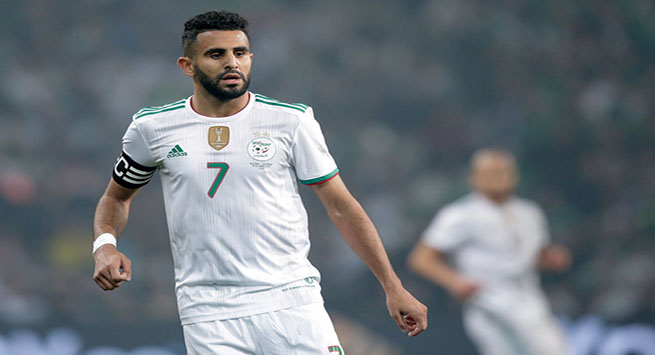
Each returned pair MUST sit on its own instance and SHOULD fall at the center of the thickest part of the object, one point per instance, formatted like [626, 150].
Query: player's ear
[185, 65]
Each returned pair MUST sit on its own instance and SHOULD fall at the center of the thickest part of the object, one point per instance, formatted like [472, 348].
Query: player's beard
[212, 85]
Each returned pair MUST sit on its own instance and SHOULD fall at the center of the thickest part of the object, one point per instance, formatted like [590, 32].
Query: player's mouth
[231, 79]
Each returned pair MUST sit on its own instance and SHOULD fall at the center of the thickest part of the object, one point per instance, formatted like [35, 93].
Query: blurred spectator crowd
[404, 91]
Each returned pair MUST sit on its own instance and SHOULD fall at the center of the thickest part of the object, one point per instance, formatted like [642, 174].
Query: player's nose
[231, 61]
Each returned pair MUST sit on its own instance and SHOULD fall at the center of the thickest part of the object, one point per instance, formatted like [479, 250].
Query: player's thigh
[229, 337]
[543, 336]
[490, 334]
[303, 330]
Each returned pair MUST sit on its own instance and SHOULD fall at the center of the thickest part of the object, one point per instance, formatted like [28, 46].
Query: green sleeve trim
[282, 104]
[322, 178]
[267, 100]
[139, 115]
[156, 108]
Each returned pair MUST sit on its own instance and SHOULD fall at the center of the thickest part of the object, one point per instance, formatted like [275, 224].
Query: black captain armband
[131, 174]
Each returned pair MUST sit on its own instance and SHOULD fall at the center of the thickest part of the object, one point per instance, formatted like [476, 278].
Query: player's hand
[410, 315]
[112, 267]
[462, 289]
[555, 258]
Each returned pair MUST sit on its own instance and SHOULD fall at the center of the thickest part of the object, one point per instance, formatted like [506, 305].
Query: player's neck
[500, 199]
[208, 105]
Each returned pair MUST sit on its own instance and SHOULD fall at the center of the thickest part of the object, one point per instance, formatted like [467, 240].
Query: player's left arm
[552, 257]
[358, 231]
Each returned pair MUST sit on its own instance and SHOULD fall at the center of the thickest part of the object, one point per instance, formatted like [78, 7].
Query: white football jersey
[238, 228]
[495, 245]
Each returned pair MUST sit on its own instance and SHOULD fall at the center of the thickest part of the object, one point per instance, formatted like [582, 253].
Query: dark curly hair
[211, 20]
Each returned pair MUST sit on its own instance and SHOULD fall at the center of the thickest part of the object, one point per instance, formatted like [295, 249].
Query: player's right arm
[430, 264]
[447, 232]
[112, 267]
[134, 168]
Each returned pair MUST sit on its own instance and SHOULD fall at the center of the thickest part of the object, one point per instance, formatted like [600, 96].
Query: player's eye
[216, 55]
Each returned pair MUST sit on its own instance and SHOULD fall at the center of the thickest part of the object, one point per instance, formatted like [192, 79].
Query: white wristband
[104, 238]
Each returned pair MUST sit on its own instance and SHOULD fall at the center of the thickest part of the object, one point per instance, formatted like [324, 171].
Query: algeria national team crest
[219, 137]
[261, 148]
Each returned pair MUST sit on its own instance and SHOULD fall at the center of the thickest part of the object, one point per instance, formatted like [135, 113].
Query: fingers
[415, 320]
[420, 323]
[126, 265]
[100, 284]
[115, 275]
[411, 323]
[112, 269]
[104, 281]
[399, 321]
[414, 324]
[410, 315]
[110, 277]
[415, 332]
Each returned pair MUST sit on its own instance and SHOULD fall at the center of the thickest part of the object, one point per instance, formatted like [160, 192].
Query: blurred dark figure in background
[496, 241]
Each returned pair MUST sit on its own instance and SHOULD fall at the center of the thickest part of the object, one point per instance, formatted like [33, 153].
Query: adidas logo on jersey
[176, 152]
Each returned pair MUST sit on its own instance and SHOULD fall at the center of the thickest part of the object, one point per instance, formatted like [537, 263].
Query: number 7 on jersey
[222, 170]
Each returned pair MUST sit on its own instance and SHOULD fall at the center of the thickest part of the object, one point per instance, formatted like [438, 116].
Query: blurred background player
[496, 241]
[229, 162]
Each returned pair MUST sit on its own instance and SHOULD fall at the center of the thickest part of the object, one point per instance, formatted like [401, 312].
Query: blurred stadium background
[405, 92]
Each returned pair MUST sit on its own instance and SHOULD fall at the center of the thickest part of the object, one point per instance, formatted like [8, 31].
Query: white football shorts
[303, 330]
[514, 332]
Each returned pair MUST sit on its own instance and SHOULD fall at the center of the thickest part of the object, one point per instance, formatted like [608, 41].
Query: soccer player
[496, 241]
[229, 161]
